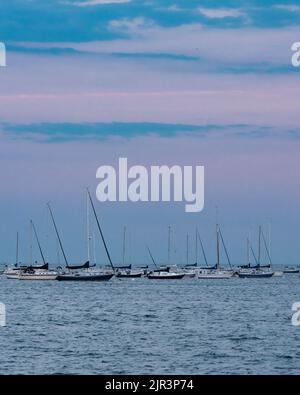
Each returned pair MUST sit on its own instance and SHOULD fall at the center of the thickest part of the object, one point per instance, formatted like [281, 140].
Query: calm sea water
[150, 327]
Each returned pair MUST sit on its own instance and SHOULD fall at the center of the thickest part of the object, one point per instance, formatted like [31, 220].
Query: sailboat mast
[248, 251]
[267, 249]
[88, 228]
[196, 246]
[152, 259]
[94, 249]
[254, 256]
[124, 245]
[130, 248]
[269, 241]
[202, 248]
[100, 231]
[225, 248]
[38, 242]
[17, 250]
[218, 247]
[259, 246]
[57, 234]
[30, 244]
[187, 249]
[57, 252]
[169, 244]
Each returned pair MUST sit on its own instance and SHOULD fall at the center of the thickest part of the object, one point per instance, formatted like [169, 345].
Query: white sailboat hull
[12, 276]
[278, 274]
[190, 275]
[43, 276]
[216, 275]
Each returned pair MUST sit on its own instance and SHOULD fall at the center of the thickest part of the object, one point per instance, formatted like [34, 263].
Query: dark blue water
[146, 327]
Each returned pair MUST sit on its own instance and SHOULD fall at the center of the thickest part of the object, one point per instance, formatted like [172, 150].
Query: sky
[159, 82]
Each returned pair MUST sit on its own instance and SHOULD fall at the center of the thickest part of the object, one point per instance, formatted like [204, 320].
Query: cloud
[83, 21]
[174, 8]
[101, 131]
[220, 13]
[97, 2]
[251, 45]
[131, 26]
[63, 132]
[288, 7]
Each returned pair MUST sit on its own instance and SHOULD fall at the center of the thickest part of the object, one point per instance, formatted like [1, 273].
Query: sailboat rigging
[259, 270]
[162, 274]
[77, 272]
[216, 272]
[126, 271]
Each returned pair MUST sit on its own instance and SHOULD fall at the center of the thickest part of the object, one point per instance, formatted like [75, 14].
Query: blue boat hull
[256, 275]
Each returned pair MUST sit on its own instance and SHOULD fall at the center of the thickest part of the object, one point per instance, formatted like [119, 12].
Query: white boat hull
[278, 274]
[214, 274]
[38, 276]
[189, 275]
[12, 276]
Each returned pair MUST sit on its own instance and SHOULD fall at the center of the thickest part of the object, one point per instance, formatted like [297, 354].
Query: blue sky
[163, 82]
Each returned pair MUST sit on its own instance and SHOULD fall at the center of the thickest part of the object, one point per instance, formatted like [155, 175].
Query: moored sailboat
[38, 273]
[78, 272]
[189, 269]
[15, 272]
[32, 274]
[258, 271]
[12, 272]
[162, 273]
[291, 270]
[216, 272]
[126, 271]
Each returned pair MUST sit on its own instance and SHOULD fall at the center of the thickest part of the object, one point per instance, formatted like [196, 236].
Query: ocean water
[141, 326]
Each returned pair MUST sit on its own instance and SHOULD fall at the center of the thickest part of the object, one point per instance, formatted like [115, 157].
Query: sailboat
[189, 269]
[77, 272]
[13, 273]
[38, 272]
[162, 273]
[206, 267]
[126, 271]
[291, 270]
[259, 270]
[216, 272]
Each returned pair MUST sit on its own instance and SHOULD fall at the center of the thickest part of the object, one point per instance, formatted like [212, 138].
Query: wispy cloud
[63, 132]
[89, 20]
[68, 132]
[220, 13]
[89, 3]
[288, 7]
[135, 25]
